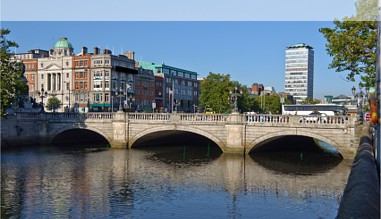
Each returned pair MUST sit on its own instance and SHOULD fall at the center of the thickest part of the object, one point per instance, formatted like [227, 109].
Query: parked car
[209, 111]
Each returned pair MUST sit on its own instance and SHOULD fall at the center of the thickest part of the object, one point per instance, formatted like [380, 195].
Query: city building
[112, 78]
[256, 89]
[180, 87]
[144, 91]
[299, 71]
[81, 81]
[269, 90]
[54, 71]
[30, 61]
[84, 82]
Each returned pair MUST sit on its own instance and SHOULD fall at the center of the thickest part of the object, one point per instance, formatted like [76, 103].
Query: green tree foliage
[215, 92]
[309, 100]
[13, 88]
[270, 103]
[53, 104]
[352, 43]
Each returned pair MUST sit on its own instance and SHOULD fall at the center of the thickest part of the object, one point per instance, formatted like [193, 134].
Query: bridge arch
[258, 142]
[67, 128]
[193, 130]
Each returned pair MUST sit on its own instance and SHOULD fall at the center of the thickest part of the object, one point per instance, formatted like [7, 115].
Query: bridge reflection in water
[166, 182]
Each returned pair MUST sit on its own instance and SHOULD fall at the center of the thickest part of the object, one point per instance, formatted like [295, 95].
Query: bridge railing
[198, 118]
[100, 115]
[203, 117]
[267, 118]
[150, 116]
[328, 120]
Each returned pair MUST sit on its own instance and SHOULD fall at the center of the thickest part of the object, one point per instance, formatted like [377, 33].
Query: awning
[100, 105]
[126, 70]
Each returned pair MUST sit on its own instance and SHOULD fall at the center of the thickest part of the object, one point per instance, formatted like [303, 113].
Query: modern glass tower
[299, 78]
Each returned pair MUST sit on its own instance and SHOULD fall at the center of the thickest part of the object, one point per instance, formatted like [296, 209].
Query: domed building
[62, 48]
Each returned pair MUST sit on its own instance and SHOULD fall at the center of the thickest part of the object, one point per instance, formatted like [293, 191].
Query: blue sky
[246, 39]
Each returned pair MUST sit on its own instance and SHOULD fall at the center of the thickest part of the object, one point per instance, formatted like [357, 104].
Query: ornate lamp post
[176, 103]
[121, 94]
[132, 100]
[233, 97]
[42, 95]
[360, 100]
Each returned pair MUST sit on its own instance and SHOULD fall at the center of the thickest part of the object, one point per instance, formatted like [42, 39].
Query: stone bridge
[233, 133]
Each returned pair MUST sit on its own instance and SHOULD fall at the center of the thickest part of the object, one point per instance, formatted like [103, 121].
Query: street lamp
[121, 94]
[132, 100]
[176, 103]
[233, 97]
[360, 100]
[42, 95]
[68, 88]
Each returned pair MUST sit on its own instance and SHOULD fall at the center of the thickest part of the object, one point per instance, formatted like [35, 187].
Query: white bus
[307, 109]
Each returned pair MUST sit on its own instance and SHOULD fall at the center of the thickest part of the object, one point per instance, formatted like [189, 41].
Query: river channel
[168, 182]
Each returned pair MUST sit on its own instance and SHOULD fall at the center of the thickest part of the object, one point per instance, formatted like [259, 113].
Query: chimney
[96, 51]
[107, 51]
[130, 55]
[84, 50]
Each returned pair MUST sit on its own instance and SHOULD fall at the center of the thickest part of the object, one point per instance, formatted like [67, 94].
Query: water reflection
[183, 156]
[162, 183]
[298, 163]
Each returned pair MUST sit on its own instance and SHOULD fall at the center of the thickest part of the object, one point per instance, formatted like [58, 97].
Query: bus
[307, 109]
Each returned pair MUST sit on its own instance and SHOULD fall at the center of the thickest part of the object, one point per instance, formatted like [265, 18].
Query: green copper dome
[63, 43]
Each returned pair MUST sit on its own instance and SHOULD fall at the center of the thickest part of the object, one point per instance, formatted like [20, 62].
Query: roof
[300, 45]
[63, 43]
[342, 97]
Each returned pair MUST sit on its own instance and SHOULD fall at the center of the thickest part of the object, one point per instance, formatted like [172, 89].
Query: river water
[168, 182]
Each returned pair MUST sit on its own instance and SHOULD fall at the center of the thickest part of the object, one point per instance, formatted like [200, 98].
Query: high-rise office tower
[299, 71]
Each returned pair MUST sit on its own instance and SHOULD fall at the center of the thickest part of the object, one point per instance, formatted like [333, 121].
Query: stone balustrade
[198, 118]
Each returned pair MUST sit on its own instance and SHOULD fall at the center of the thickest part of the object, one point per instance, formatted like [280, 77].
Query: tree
[215, 92]
[53, 104]
[352, 43]
[309, 100]
[13, 88]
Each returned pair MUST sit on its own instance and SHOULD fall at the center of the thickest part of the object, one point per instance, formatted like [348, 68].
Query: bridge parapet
[197, 118]
[61, 116]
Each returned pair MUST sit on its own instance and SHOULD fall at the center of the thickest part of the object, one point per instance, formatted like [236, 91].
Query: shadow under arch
[88, 135]
[294, 154]
[259, 142]
[213, 139]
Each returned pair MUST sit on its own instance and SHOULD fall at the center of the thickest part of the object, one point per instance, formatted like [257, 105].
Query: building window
[42, 76]
[97, 84]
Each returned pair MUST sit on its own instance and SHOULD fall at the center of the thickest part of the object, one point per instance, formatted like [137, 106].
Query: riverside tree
[215, 92]
[352, 43]
[53, 104]
[13, 88]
